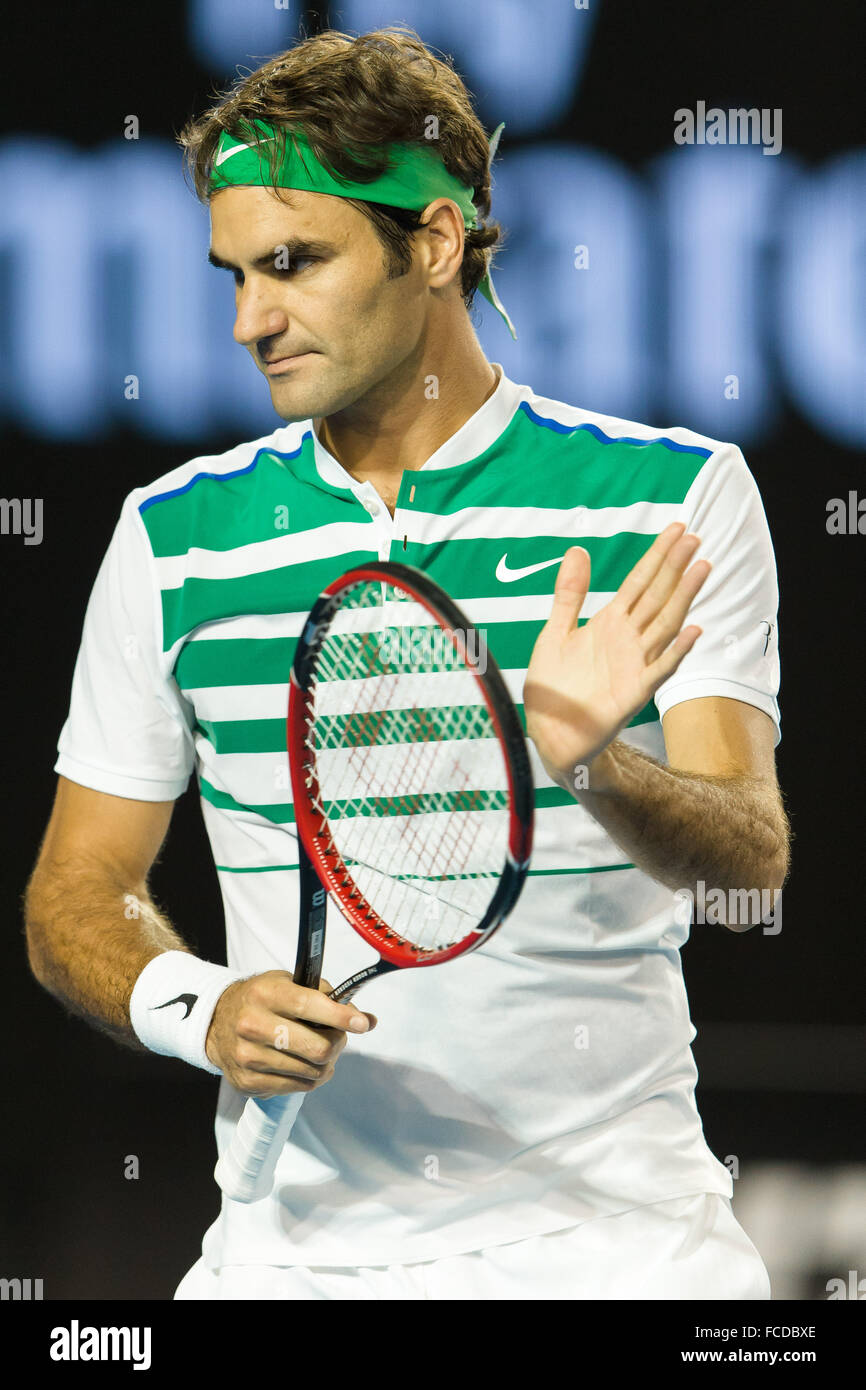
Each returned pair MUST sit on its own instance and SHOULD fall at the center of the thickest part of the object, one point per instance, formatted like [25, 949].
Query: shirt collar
[478, 433]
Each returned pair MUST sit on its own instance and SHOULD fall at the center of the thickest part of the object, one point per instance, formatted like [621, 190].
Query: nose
[257, 312]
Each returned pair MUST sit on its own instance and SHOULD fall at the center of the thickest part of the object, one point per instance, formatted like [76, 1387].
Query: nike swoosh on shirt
[186, 999]
[508, 576]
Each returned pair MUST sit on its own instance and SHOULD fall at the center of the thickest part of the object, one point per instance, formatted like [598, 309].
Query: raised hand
[584, 684]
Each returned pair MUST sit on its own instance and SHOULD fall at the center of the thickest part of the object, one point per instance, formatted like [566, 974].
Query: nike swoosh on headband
[223, 155]
[508, 576]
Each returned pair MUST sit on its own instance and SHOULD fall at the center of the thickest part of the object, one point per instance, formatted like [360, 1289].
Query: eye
[294, 262]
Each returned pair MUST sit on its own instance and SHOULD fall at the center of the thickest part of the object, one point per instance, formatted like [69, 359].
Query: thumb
[572, 585]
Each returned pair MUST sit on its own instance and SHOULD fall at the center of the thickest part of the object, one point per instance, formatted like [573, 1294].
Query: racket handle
[245, 1172]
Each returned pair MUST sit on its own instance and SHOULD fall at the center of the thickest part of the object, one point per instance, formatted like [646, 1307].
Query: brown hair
[352, 96]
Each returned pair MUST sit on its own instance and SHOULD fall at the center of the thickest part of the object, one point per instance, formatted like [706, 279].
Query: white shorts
[687, 1248]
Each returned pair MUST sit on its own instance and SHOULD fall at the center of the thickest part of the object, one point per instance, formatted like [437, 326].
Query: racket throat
[349, 988]
[311, 937]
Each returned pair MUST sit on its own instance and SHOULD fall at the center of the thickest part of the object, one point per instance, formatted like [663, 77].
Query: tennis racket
[413, 799]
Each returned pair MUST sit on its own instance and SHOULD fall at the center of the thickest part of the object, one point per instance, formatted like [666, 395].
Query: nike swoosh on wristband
[187, 999]
[507, 576]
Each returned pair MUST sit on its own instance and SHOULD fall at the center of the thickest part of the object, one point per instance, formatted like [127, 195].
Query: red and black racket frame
[315, 844]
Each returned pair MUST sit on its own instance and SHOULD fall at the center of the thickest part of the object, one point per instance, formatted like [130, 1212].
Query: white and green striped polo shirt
[548, 1078]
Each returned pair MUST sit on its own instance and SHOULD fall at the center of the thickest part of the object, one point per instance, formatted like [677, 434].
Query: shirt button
[370, 506]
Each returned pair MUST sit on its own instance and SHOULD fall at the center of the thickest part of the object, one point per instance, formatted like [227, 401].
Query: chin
[296, 402]
[292, 405]
[291, 414]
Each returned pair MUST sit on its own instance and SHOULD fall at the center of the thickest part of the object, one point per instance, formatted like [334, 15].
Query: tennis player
[522, 1124]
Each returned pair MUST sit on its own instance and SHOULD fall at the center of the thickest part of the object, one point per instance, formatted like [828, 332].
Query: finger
[313, 1006]
[259, 1031]
[277, 1060]
[665, 665]
[569, 594]
[644, 572]
[656, 595]
[667, 624]
[317, 1047]
[264, 1083]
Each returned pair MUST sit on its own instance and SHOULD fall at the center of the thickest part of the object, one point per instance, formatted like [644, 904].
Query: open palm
[585, 683]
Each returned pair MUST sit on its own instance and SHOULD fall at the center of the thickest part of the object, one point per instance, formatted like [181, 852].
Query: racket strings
[412, 779]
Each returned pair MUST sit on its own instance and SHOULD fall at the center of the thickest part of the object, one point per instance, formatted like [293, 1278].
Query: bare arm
[714, 814]
[92, 928]
[91, 924]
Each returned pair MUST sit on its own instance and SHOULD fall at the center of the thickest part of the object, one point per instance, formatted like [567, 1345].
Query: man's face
[311, 286]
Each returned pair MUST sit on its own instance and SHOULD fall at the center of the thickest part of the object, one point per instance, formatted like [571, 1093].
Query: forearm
[683, 828]
[89, 936]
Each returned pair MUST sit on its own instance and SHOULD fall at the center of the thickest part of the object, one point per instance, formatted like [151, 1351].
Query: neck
[402, 421]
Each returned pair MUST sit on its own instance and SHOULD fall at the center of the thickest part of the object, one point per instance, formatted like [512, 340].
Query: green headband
[413, 179]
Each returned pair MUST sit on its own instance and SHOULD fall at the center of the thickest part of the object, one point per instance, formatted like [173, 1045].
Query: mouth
[276, 366]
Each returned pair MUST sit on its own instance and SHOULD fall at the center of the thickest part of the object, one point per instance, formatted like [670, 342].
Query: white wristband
[173, 1002]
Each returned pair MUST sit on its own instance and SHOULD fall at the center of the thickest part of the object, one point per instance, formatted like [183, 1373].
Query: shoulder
[194, 503]
[615, 429]
[619, 461]
[238, 461]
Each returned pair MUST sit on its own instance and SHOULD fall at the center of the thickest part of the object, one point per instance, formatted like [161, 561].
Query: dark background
[780, 1019]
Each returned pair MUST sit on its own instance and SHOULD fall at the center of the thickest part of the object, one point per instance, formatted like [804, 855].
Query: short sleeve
[737, 654]
[128, 732]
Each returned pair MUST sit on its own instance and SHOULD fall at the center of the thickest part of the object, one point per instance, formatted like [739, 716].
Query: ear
[442, 222]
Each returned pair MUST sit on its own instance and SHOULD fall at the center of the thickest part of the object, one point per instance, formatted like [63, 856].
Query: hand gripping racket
[413, 799]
